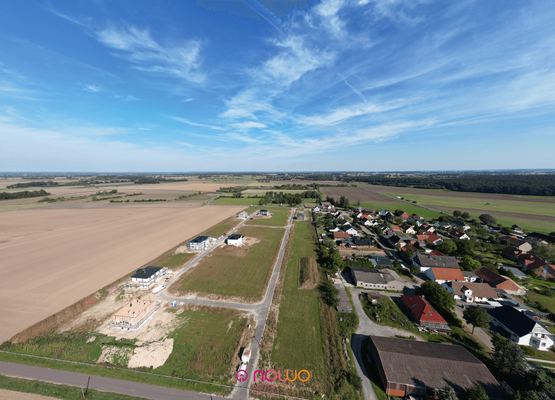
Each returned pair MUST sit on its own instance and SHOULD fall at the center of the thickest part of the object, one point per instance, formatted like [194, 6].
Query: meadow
[298, 343]
[408, 208]
[236, 271]
[278, 219]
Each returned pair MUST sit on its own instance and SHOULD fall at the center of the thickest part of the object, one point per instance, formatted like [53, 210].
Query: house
[408, 367]
[426, 261]
[470, 276]
[264, 213]
[362, 243]
[460, 226]
[443, 225]
[199, 243]
[401, 214]
[395, 240]
[408, 229]
[407, 247]
[459, 235]
[133, 314]
[380, 261]
[301, 217]
[521, 245]
[327, 206]
[498, 281]
[384, 279]
[511, 253]
[340, 235]
[545, 270]
[540, 237]
[517, 228]
[435, 239]
[442, 275]
[426, 229]
[522, 329]
[516, 272]
[385, 213]
[235, 240]
[470, 292]
[368, 221]
[243, 215]
[424, 314]
[146, 277]
[349, 229]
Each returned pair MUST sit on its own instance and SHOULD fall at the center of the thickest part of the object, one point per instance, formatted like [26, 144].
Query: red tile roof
[437, 253]
[421, 309]
[341, 235]
[432, 238]
[395, 228]
[448, 274]
[422, 237]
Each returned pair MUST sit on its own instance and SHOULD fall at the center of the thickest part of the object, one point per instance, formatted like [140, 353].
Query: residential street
[478, 332]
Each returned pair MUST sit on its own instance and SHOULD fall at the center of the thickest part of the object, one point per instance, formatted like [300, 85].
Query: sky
[276, 85]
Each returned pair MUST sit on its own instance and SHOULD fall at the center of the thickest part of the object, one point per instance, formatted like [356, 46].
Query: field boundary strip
[147, 373]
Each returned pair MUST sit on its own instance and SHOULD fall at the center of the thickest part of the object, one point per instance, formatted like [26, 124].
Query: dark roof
[199, 239]
[435, 261]
[541, 236]
[235, 236]
[145, 273]
[489, 276]
[515, 321]
[362, 242]
[433, 365]
[381, 260]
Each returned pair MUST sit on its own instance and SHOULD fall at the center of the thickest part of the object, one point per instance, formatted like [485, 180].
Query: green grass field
[262, 192]
[532, 225]
[298, 343]
[205, 348]
[278, 219]
[223, 227]
[241, 272]
[408, 208]
[523, 207]
[244, 201]
[63, 392]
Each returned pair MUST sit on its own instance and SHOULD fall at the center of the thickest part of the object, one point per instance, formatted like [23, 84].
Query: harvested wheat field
[52, 258]
[355, 194]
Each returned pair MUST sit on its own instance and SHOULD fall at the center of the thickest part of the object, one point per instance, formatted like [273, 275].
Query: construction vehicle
[169, 278]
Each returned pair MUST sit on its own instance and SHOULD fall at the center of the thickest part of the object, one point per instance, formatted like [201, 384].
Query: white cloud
[93, 88]
[186, 121]
[248, 125]
[127, 98]
[344, 113]
[138, 47]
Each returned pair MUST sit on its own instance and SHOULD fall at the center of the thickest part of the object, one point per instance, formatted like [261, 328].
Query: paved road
[100, 383]
[478, 332]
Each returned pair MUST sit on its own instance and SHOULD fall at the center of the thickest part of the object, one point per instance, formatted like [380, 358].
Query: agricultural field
[51, 258]
[298, 343]
[223, 227]
[239, 272]
[408, 208]
[260, 192]
[355, 194]
[279, 218]
[243, 201]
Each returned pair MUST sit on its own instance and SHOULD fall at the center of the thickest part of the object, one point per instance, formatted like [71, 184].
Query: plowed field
[355, 194]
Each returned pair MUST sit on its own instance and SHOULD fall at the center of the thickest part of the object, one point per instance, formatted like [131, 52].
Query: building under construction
[134, 314]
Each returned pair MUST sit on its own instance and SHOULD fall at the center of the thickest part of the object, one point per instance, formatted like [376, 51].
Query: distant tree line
[23, 195]
[32, 184]
[536, 185]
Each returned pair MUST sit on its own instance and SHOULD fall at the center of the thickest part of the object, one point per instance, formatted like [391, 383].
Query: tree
[487, 219]
[508, 355]
[476, 316]
[470, 264]
[440, 298]
[447, 393]
[457, 213]
[409, 253]
[465, 215]
[448, 247]
[476, 393]
[539, 382]
[544, 251]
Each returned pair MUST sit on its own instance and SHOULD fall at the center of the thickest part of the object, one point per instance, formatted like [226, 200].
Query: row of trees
[32, 184]
[23, 195]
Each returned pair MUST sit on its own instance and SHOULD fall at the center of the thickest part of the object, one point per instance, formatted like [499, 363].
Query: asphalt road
[100, 383]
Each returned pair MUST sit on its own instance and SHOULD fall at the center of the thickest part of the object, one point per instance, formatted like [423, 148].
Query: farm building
[133, 314]
[199, 243]
[424, 314]
[146, 277]
[235, 240]
[377, 278]
[243, 215]
[426, 262]
[408, 367]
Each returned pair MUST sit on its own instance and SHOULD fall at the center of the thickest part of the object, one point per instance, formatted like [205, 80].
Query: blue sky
[276, 85]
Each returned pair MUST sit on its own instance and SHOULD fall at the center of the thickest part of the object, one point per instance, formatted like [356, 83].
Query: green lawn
[524, 207]
[541, 355]
[225, 226]
[298, 343]
[262, 192]
[63, 392]
[278, 219]
[244, 201]
[232, 271]
[408, 208]
[532, 225]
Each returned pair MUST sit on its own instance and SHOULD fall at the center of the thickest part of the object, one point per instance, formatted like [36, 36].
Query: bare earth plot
[238, 273]
[11, 395]
[355, 194]
[52, 258]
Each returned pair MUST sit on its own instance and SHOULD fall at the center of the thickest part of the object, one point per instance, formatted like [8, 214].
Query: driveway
[479, 333]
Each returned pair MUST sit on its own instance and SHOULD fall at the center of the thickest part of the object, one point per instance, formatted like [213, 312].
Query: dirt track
[355, 194]
[499, 213]
[52, 258]
[424, 192]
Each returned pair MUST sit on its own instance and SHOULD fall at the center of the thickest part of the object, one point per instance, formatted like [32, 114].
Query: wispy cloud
[93, 88]
[127, 98]
[138, 47]
[186, 121]
[248, 125]
[345, 113]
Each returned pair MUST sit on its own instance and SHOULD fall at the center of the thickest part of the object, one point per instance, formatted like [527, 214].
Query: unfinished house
[144, 278]
[199, 243]
[134, 314]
